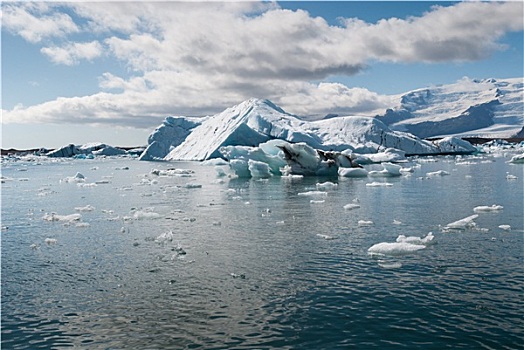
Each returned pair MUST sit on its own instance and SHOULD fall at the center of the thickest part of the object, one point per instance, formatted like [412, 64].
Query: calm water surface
[258, 272]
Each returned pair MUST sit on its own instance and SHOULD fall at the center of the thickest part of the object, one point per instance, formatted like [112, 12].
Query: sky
[78, 72]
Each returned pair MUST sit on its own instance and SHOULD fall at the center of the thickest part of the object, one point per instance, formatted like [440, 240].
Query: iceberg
[89, 150]
[257, 121]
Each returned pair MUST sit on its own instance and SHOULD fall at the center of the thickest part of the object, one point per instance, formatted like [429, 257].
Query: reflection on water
[259, 271]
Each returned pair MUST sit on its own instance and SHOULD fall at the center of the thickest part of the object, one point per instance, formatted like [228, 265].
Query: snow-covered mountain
[468, 108]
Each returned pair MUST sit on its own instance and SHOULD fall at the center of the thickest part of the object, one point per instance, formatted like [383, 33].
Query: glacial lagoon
[115, 253]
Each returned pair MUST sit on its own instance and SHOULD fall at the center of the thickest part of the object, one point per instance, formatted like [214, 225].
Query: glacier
[475, 108]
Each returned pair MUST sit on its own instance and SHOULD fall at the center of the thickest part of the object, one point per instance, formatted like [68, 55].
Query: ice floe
[66, 218]
[505, 227]
[86, 208]
[378, 184]
[463, 224]
[395, 248]
[351, 206]
[487, 208]
[437, 173]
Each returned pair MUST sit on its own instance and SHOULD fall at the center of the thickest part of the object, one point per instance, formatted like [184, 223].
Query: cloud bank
[199, 58]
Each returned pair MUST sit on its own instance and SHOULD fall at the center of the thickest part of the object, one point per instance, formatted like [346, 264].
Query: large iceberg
[257, 121]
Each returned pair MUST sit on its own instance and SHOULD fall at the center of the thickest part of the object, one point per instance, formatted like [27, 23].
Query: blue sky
[76, 73]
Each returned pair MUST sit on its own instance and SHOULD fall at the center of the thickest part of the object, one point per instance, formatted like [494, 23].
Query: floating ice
[50, 241]
[511, 177]
[463, 224]
[165, 237]
[397, 248]
[326, 186]
[486, 208]
[77, 178]
[82, 225]
[352, 172]
[313, 193]
[389, 170]
[397, 222]
[86, 208]
[313, 201]
[437, 173]
[56, 217]
[144, 215]
[365, 223]
[326, 237]
[351, 206]
[505, 227]
[517, 159]
[417, 240]
[379, 184]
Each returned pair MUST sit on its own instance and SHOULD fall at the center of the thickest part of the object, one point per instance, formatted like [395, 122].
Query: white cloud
[198, 58]
[35, 21]
[72, 53]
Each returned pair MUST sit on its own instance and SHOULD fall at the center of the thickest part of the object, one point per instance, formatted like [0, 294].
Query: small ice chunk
[314, 201]
[50, 241]
[378, 184]
[365, 223]
[486, 208]
[511, 177]
[326, 237]
[326, 186]
[397, 222]
[313, 193]
[389, 170]
[165, 237]
[86, 208]
[351, 206]
[463, 224]
[56, 217]
[143, 215]
[437, 173]
[396, 248]
[505, 227]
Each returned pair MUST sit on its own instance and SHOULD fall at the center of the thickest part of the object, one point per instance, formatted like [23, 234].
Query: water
[257, 272]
